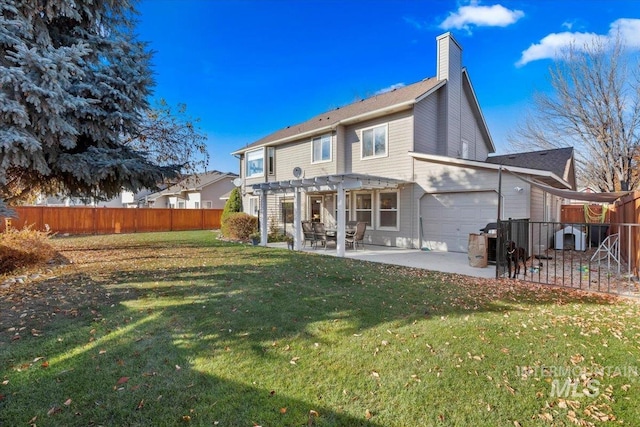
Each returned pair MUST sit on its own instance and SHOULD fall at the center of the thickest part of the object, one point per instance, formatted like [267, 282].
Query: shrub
[23, 248]
[240, 226]
[233, 205]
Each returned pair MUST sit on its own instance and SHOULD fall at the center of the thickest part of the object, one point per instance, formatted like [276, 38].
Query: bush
[23, 248]
[240, 226]
[232, 206]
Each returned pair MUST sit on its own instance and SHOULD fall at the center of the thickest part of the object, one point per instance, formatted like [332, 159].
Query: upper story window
[321, 149]
[374, 142]
[271, 160]
[255, 163]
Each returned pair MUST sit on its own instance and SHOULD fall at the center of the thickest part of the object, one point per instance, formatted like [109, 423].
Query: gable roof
[384, 103]
[194, 182]
[558, 161]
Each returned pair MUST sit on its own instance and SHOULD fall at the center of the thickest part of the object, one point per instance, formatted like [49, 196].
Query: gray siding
[437, 178]
[397, 164]
[212, 193]
[478, 146]
[426, 124]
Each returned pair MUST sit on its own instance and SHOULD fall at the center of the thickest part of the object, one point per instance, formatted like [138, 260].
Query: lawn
[165, 329]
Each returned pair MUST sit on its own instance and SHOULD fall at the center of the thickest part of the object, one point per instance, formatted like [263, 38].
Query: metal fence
[593, 257]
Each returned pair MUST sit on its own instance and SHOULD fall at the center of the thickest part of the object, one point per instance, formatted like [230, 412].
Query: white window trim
[255, 175]
[271, 166]
[386, 140]
[372, 210]
[347, 207]
[254, 202]
[330, 149]
[464, 149]
[396, 210]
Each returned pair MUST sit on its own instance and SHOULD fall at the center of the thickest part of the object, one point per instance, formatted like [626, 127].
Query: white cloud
[481, 16]
[629, 29]
[552, 45]
[390, 88]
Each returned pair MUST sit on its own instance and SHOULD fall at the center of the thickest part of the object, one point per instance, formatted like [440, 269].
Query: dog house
[571, 237]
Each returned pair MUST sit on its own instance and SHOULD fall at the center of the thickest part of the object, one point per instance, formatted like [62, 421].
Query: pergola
[338, 183]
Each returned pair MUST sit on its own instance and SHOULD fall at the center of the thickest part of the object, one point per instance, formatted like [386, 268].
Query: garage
[449, 218]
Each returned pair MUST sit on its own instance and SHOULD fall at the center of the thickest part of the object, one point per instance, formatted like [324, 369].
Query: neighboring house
[126, 199]
[199, 191]
[412, 163]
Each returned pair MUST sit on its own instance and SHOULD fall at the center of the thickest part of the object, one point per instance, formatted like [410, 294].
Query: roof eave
[350, 120]
[492, 166]
[479, 110]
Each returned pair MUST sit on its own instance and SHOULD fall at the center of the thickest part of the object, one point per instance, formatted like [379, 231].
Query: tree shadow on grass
[175, 328]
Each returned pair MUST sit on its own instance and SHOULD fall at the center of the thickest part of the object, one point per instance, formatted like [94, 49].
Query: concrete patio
[446, 262]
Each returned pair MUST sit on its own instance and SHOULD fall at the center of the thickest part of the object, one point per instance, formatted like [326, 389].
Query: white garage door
[449, 218]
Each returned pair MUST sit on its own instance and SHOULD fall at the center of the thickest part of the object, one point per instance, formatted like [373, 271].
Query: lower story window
[364, 208]
[347, 210]
[287, 211]
[254, 206]
[388, 210]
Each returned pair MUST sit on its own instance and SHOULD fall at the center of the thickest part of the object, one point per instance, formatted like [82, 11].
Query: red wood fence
[90, 220]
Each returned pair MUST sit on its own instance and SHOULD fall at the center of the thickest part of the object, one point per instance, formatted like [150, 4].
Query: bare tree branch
[594, 107]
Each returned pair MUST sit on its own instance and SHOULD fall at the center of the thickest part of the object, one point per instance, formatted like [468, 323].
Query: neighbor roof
[396, 97]
[194, 183]
[557, 160]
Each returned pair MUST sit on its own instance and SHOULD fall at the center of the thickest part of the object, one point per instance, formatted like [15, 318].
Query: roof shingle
[553, 160]
[330, 118]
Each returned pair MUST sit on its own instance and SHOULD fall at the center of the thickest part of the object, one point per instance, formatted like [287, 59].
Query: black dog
[514, 255]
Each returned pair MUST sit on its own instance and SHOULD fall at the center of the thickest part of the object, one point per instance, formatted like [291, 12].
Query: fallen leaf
[67, 402]
[140, 405]
[283, 410]
[122, 380]
[368, 414]
[53, 410]
[45, 364]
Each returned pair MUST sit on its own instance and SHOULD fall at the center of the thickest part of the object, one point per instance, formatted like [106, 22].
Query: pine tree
[74, 86]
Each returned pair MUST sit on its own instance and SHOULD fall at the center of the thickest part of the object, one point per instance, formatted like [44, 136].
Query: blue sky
[247, 68]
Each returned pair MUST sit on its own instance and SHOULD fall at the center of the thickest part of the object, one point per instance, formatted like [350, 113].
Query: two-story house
[199, 191]
[411, 163]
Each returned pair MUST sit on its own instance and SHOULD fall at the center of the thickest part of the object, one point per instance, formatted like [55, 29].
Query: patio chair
[320, 233]
[309, 234]
[353, 239]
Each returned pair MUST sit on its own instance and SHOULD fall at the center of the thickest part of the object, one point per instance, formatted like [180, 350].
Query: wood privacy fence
[93, 220]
